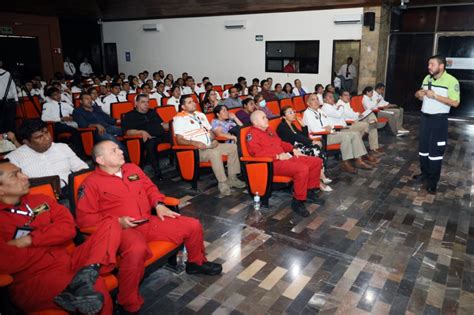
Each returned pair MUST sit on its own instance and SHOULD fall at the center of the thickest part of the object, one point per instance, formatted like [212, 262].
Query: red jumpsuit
[44, 269]
[134, 195]
[305, 170]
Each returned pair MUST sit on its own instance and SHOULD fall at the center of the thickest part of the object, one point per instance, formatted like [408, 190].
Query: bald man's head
[107, 154]
[259, 119]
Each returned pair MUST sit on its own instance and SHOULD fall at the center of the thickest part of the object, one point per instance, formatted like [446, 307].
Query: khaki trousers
[215, 157]
[363, 127]
[395, 118]
[352, 146]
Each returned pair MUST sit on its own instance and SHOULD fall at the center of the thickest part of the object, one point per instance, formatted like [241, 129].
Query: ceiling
[143, 9]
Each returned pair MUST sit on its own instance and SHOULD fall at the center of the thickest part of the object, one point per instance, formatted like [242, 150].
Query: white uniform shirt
[173, 101]
[315, 120]
[193, 127]
[349, 113]
[369, 103]
[320, 98]
[59, 159]
[112, 98]
[352, 72]
[378, 99]
[86, 69]
[75, 89]
[51, 111]
[335, 114]
[296, 92]
[4, 77]
[69, 68]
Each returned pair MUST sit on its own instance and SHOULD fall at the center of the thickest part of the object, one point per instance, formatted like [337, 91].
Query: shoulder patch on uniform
[249, 137]
[81, 192]
[456, 87]
[133, 177]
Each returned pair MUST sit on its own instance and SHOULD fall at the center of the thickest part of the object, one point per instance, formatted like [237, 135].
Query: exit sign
[259, 38]
[6, 30]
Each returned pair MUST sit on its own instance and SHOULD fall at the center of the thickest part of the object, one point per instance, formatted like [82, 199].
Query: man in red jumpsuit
[35, 233]
[262, 141]
[124, 192]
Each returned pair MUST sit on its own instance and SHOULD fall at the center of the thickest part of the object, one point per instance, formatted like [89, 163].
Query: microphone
[430, 82]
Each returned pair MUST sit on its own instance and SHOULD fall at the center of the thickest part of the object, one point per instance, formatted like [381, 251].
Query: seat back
[75, 181]
[286, 102]
[299, 104]
[166, 113]
[131, 97]
[117, 109]
[210, 117]
[30, 108]
[273, 123]
[244, 151]
[48, 185]
[164, 101]
[274, 107]
[217, 88]
[153, 103]
[356, 103]
[227, 86]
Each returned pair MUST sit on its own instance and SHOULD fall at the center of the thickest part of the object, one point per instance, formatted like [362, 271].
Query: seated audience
[267, 94]
[262, 141]
[256, 82]
[279, 92]
[160, 90]
[289, 132]
[270, 83]
[299, 90]
[226, 125]
[145, 122]
[378, 97]
[248, 107]
[319, 90]
[233, 101]
[39, 156]
[60, 113]
[288, 91]
[352, 146]
[210, 101]
[36, 234]
[113, 97]
[393, 116]
[64, 92]
[335, 114]
[243, 85]
[332, 89]
[29, 90]
[146, 89]
[209, 87]
[193, 128]
[8, 142]
[253, 91]
[123, 192]
[262, 105]
[126, 90]
[175, 93]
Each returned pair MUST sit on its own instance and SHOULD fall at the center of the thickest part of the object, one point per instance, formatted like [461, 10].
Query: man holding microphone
[439, 92]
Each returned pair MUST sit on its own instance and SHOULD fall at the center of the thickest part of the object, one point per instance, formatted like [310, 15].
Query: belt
[434, 115]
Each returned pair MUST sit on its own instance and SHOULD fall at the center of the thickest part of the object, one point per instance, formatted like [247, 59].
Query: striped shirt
[193, 127]
[59, 159]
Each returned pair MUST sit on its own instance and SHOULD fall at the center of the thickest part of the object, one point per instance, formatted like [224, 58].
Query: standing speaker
[369, 20]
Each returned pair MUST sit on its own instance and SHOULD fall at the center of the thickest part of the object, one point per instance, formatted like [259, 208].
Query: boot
[80, 295]
[312, 196]
[299, 208]
[233, 181]
[347, 167]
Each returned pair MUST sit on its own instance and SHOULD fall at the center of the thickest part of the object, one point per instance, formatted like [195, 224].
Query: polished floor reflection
[380, 244]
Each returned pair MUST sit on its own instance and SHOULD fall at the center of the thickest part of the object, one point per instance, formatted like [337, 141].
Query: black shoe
[313, 197]
[121, 311]
[207, 268]
[299, 208]
[419, 177]
[431, 189]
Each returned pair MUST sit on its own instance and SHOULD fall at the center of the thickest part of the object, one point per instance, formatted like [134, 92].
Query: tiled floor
[379, 245]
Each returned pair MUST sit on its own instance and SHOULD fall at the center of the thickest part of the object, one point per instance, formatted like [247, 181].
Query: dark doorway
[23, 57]
[406, 68]
[110, 57]
[341, 50]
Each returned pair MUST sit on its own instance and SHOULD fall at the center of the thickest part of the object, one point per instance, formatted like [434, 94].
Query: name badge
[22, 231]
[133, 177]
[41, 208]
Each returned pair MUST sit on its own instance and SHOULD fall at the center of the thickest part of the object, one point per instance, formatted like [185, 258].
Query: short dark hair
[256, 80]
[379, 85]
[367, 89]
[246, 101]
[326, 93]
[83, 94]
[317, 86]
[114, 84]
[145, 84]
[205, 78]
[29, 127]
[174, 87]
[441, 59]
[263, 82]
[284, 110]
[182, 99]
[218, 109]
[140, 96]
[50, 91]
[240, 79]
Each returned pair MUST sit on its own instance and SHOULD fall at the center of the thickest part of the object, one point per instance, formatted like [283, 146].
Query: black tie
[347, 71]
[60, 110]
[116, 96]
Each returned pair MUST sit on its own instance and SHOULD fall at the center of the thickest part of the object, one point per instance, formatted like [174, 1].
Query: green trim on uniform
[446, 81]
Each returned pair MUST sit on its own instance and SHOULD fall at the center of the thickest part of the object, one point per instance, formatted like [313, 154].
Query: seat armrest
[256, 159]
[184, 147]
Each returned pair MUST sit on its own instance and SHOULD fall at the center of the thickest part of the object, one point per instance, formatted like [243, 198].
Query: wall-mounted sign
[6, 30]
[460, 63]
[259, 38]
[128, 57]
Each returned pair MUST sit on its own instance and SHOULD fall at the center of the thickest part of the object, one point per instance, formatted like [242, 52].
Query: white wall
[203, 47]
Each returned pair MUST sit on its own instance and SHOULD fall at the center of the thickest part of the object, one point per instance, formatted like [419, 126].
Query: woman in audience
[289, 132]
[288, 90]
[319, 90]
[170, 77]
[226, 124]
[135, 84]
[262, 105]
[332, 89]
[175, 93]
[279, 91]
[210, 101]
[253, 91]
[168, 85]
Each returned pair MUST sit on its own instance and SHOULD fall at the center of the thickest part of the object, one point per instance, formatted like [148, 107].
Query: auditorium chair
[30, 108]
[131, 97]
[286, 102]
[299, 104]
[119, 108]
[47, 189]
[356, 104]
[218, 88]
[162, 251]
[187, 161]
[164, 101]
[274, 107]
[153, 103]
[87, 136]
[227, 86]
[258, 171]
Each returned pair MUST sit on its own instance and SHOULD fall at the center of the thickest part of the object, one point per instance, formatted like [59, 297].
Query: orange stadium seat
[117, 109]
[286, 102]
[274, 107]
[299, 104]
